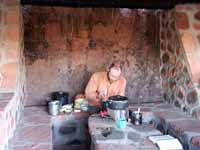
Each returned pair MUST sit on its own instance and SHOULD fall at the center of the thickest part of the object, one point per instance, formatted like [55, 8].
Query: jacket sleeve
[92, 87]
[122, 88]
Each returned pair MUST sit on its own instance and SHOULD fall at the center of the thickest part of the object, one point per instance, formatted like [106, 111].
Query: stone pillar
[188, 23]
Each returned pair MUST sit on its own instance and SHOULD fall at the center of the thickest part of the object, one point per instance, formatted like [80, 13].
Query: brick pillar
[12, 72]
[10, 43]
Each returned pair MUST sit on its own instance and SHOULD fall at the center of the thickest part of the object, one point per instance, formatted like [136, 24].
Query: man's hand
[102, 95]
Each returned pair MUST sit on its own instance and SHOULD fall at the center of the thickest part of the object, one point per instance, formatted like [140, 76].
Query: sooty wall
[64, 46]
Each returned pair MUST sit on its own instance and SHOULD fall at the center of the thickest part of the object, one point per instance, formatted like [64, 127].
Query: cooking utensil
[136, 117]
[54, 107]
[61, 96]
[118, 107]
[90, 109]
[118, 102]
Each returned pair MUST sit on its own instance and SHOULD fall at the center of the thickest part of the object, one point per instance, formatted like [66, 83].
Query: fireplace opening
[64, 46]
[56, 45]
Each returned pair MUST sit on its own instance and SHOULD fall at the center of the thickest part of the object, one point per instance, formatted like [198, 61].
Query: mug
[121, 123]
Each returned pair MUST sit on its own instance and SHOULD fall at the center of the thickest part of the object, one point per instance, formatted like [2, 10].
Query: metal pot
[60, 96]
[118, 107]
[54, 107]
[118, 102]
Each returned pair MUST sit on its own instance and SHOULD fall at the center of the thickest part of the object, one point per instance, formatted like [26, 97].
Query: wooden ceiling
[147, 4]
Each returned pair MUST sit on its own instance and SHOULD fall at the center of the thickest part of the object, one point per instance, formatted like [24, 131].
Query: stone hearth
[46, 49]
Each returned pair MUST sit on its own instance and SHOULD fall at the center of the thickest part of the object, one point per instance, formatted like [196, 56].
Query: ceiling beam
[147, 4]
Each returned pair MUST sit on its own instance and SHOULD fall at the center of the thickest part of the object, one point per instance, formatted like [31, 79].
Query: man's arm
[91, 90]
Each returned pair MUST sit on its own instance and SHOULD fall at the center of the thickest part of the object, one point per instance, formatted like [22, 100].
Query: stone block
[196, 140]
[192, 97]
[12, 16]
[196, 112]
[182, 20]
[197, 15]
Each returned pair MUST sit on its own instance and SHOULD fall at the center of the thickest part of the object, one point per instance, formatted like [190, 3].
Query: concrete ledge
[171, 120]
[9, 114]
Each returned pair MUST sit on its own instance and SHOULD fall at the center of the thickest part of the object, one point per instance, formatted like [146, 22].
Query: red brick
[12, 2]
[9, 74]
[182, 20]
[12, 55]
[196, 26]
[188, 42]
[11, 16]
[194, 63]
[11, 33]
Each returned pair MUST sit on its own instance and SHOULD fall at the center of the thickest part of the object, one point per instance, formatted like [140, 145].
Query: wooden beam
[148, 4]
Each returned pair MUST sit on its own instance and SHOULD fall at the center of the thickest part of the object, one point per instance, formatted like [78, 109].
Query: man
[105, 84]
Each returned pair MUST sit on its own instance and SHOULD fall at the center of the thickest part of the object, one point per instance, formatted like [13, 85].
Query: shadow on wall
[64, 46]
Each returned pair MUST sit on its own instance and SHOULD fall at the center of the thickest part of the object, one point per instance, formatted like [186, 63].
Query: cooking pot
[117, 107]
[60, 96]
[118, 102]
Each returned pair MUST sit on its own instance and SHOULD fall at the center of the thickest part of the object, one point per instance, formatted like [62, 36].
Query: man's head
[115, 70]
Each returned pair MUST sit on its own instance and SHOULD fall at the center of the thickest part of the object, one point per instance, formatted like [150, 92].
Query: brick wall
[64, 46]
[12, 70]
[188, 23]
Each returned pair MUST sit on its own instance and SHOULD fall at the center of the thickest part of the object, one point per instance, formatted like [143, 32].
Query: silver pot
[54, 107]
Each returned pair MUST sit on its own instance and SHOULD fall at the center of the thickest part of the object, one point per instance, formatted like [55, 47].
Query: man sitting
[105, 84]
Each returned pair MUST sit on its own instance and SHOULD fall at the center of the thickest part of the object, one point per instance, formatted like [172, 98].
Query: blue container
[121, 123]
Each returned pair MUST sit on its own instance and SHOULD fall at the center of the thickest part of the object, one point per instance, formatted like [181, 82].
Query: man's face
[115, 72]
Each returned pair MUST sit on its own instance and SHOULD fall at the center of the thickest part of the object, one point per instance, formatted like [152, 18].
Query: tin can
[54, 107]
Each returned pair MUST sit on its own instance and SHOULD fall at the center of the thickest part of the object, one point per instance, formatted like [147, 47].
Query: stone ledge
[34, 131]
[171, 120]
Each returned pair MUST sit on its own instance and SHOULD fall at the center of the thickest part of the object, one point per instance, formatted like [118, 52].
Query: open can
[54, 107]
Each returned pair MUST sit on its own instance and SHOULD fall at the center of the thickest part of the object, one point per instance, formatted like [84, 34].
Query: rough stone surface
[131, 136]
[197, 15]
[178, 70]
[63, 47]
[182, 20]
